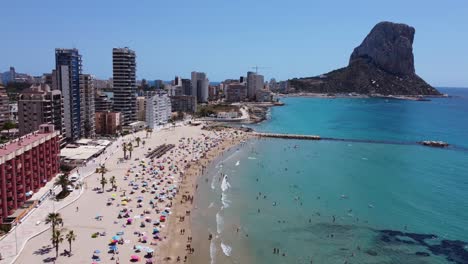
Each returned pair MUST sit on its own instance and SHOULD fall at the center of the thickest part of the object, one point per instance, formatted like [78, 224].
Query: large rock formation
[382, 64]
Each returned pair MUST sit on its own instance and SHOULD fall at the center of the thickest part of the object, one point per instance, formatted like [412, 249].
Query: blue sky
[225, 37]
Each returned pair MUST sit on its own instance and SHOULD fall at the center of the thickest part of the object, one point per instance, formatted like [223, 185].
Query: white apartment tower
[158, 109]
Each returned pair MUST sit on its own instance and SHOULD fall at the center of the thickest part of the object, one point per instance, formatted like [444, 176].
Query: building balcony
[9, 185]
[10, 203]
[9, 176]
[19, 186]
[21, 195]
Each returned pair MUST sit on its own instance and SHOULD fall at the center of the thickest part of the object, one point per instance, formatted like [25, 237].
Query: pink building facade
[26, 165]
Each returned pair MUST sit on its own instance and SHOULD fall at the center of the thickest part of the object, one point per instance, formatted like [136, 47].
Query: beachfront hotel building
[87, 88]
[39, 105]
[27, 164]
[200, 86]
[255, 82]
[68, 71]
[158, 109]
[124, 79]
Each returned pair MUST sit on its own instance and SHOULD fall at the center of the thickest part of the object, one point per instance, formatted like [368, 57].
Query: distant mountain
[382, 64]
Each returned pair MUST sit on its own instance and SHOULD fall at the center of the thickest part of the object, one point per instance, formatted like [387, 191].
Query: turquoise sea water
[340, 201]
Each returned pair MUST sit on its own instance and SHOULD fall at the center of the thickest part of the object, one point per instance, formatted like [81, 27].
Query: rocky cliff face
[382, 64]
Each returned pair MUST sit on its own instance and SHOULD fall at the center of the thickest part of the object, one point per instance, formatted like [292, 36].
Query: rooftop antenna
[259, 67]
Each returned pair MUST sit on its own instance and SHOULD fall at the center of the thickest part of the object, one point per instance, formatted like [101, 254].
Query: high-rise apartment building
[87, 88]
[200, 86]
[102, 102]
[68, 71]
[255, 82]
[158, 109]
[4, 106]
[141, 108]
[39, 105]
[186, 86]
[124, 79]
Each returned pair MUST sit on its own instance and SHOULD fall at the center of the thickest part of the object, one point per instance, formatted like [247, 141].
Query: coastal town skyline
[177, 41]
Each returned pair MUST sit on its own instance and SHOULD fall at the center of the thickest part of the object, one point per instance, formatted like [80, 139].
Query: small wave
[219, 223]
[364, 158]
[213, 183]
[225, 184]
[212, 251]
[211, 205]
[252, 158]
[237, 163]
[225, 201]
[226, 249]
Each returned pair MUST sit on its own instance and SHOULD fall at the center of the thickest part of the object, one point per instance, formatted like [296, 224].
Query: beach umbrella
[149, 250]
[135, 258]
[97, 251]
[116, 237]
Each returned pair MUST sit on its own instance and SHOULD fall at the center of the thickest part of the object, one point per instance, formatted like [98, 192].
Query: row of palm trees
[55, 219]
[129, 146]
[103, 170]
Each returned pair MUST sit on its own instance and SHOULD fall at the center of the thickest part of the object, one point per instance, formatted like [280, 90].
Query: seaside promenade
[33, 224]
[137, 180]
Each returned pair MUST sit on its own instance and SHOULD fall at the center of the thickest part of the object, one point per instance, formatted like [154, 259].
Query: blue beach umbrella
[116, 237]
[97, 251]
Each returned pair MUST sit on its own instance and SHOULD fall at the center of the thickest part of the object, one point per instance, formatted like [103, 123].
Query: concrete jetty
[427, 143]
[287, 136]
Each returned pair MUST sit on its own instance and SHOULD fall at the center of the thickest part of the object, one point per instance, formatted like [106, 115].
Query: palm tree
[130, 149]
[57, 238]
[147, 131]
[124, 148]
[54, 219]
[71, 236]
[63, 182]
[102, 169]
[113, 181]
[138, 139]
[103, 183]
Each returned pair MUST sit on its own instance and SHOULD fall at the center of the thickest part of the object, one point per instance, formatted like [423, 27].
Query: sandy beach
[147, 215]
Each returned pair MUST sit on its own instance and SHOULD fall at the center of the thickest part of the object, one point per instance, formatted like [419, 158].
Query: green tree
[138, 139]
[103, 183]
[113, 182]
[103, 170]
[124, 148]
[71, 236]
[57, 238]
[63, 182]
[130, 149]
[8, 125]
[54, 219]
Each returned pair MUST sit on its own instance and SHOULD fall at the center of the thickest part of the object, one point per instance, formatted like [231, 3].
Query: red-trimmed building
[26, 165]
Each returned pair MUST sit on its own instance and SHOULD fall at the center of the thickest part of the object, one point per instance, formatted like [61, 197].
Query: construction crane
[259, 67]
